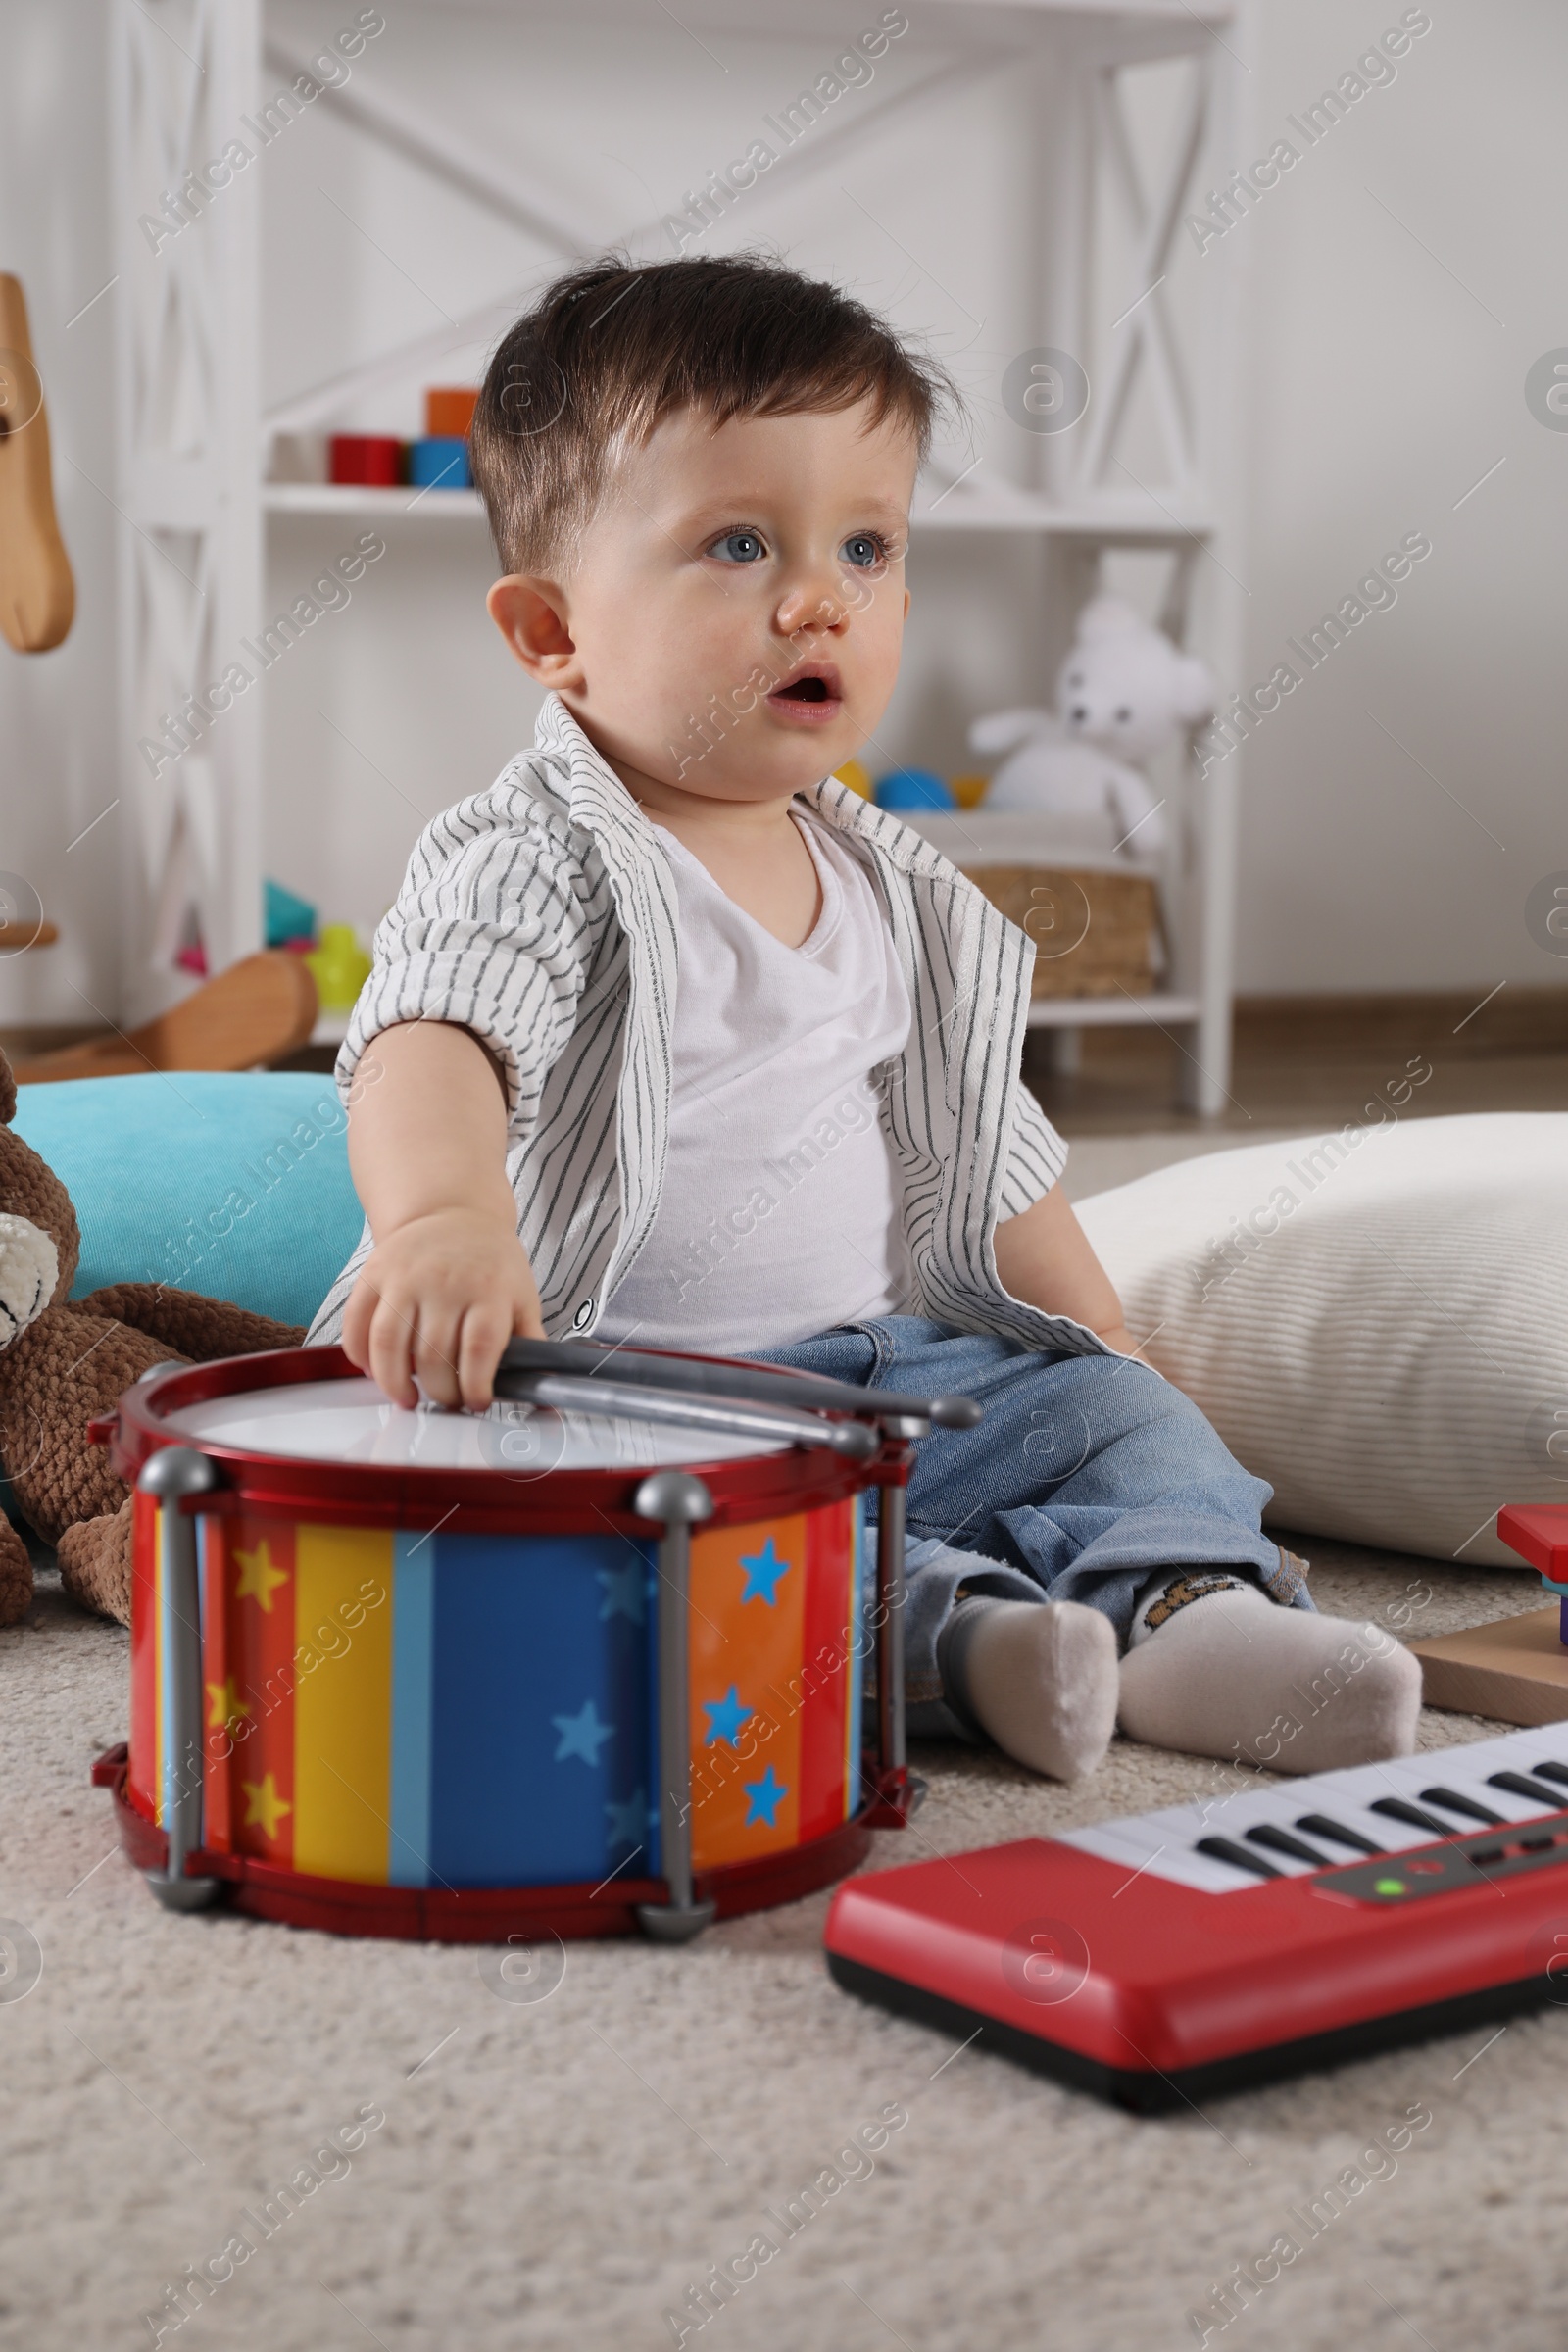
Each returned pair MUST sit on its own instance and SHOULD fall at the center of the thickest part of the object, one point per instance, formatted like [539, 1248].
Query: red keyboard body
[1102, 1969]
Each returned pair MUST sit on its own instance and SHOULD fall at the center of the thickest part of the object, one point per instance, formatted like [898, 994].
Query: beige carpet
[558, 2173]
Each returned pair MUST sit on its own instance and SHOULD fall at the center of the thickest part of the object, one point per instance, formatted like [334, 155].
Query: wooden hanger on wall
[38, 594]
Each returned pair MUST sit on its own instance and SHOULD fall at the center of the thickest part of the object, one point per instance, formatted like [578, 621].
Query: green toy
[339, 966]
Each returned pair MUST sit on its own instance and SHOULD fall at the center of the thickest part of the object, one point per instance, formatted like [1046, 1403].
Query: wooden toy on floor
[261, 1010]
[1516, 1668]
[37, 595]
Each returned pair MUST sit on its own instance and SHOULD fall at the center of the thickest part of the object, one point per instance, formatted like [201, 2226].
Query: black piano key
[1222, 1850]
[1397, 1809]
[1283, 1843]
[1519, 1783]
[1452, 1803]
[1550, 1772]
[1321, 1827]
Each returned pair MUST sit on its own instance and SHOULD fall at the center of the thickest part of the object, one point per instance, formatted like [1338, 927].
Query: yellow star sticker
[262, 1805]
[226, 1705]
[258, 1576]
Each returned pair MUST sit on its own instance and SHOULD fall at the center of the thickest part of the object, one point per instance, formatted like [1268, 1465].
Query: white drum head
[352, 1421]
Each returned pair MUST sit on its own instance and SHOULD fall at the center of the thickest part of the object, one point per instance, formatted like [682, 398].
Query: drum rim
[488, 1914]
[578, 1501]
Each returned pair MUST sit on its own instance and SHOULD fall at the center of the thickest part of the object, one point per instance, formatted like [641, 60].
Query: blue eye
[737, 547]
[863, 551]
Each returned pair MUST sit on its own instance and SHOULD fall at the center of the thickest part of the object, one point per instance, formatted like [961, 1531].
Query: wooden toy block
[1539, 1533]
[1514, 1670]
[449, 411]
[359, 460]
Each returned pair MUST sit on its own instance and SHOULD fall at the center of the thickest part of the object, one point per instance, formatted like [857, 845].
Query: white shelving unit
[195, 446]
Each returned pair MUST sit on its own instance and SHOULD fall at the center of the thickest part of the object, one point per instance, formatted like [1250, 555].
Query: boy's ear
[531, 614]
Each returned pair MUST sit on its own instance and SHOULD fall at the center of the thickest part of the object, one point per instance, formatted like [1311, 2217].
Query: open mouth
[812, 694]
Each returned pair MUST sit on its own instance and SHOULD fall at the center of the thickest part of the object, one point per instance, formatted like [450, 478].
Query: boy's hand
[439, 1299]
[448, 1283]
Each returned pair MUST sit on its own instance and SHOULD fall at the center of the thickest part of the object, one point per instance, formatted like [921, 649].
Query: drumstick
[763, 1384]
[569, 1393]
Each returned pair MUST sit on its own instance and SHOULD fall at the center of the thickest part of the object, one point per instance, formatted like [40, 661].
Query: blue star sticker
[724, 1717]
[628, 1823]
[764, 1798]
[763, 1571]
[582, 1735]
[626, 1592]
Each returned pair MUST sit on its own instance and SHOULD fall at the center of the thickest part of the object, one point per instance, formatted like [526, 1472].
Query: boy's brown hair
[611, 349]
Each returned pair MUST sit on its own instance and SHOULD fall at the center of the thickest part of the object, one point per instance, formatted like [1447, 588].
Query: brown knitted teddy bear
[61, 1366]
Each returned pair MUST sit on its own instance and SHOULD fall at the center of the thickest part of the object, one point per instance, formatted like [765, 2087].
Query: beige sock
[1038, 1676]
[1233, 1674]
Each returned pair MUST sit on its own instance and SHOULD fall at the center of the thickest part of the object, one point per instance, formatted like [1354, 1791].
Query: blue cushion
[232, 1184]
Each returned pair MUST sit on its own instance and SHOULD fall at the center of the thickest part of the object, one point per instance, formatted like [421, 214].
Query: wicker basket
[1096, 932]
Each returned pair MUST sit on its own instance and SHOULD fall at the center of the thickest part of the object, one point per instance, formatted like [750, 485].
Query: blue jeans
[1087, 1472]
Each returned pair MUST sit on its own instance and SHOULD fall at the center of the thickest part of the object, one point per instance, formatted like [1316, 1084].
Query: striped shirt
[541, 917]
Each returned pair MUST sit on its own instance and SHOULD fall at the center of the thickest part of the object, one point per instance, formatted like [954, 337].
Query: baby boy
[676, 1040]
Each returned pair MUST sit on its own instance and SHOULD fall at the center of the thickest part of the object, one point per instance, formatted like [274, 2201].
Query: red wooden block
[374, 459]
[1539, 1533]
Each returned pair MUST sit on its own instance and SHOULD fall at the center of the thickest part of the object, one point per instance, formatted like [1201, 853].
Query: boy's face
[733, 624]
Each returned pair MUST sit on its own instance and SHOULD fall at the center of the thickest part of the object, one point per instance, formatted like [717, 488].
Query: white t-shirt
[780, 1213]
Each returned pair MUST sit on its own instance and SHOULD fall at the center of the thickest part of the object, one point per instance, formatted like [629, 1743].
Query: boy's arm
[448, 1283]
[1043, 1258]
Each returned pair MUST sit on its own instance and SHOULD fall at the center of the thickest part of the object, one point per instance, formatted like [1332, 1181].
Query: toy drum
[437, 1674]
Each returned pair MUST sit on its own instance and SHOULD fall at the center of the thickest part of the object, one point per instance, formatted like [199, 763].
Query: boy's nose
[812, 604]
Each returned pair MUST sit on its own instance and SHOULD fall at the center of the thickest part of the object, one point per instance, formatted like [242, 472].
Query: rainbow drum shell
[430, 1659]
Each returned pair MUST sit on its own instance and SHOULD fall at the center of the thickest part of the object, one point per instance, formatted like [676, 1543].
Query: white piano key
[1283, 1806]
[1163, 1845]
[1466, 1773]
[1183, 1865]
[1288, 1866]
[1500, 1800]
[1135, 1838]
[1210, 1877]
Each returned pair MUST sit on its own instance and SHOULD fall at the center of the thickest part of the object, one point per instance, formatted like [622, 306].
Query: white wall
[57, 709]
[1387, 375]
[1380, 389]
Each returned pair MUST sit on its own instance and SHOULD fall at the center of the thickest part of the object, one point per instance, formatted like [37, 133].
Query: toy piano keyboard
[1172, 1955]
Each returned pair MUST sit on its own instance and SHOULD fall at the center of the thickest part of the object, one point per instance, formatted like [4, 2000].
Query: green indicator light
[1391, 1887]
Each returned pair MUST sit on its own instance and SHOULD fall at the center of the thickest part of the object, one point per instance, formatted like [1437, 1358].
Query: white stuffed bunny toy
[1122, 692]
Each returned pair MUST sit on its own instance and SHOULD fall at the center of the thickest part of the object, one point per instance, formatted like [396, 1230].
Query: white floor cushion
[1375, 1320]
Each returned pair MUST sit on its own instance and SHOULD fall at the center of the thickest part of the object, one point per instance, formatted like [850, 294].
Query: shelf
[1094, 239]
[344, 498]
[997, 19]
[975, 838]
[1110, 1012]
[969, 506]
[994, 507]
